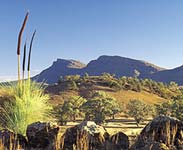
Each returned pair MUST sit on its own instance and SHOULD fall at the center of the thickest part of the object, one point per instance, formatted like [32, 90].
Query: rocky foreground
[162, 133]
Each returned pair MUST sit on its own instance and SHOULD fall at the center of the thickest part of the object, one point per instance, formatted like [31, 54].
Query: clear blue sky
[150, 30]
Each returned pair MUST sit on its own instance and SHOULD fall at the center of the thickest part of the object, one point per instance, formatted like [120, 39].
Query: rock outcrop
[85, 136]
[162, 133]
[119, 141]
[11, 141]
[43, 136]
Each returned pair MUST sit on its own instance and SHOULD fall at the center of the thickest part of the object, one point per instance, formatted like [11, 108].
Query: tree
[173, 108]
[60, 115]
[71, 109]
[136, 73]
[107, 75]
[138, 110]
[75, 78]
[115, 108]
[72, 85]
[60, 80]
[177, 108]
[100, 106]
[164, 108]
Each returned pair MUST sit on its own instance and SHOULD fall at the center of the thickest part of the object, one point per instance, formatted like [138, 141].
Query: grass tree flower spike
[24, 58]
[19, 42]
[30, 49]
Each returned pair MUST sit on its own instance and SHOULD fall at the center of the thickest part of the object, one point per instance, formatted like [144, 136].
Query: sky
[150, 30]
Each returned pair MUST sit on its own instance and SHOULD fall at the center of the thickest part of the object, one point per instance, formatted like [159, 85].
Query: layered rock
[161, 133]
[11, 141]
[85, 136]
[43, 136]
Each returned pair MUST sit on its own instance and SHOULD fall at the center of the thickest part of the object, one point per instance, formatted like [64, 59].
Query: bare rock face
[11, 141]
[85, 136]
[119, 141]
[162, 133]
[43, 136]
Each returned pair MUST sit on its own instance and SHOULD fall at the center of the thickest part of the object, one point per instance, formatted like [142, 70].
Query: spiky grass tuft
[28, 104]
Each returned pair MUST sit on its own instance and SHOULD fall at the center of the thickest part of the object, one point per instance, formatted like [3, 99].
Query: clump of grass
[28, 104]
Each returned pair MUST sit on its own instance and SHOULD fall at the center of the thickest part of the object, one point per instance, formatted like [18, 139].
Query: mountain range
[120, 66]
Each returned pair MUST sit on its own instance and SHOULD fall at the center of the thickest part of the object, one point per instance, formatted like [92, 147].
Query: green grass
[27, 104]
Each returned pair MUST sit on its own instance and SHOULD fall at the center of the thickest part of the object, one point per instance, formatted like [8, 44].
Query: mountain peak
[70, 63]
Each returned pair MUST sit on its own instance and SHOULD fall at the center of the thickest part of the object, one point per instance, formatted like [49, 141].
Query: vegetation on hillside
[173, 108]
[167, 91]
[96, 108]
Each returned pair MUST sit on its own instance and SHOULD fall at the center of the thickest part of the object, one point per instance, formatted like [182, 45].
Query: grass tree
[25, 101]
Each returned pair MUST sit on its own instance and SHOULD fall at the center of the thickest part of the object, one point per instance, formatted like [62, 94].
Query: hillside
[120, 66]
[123, 89]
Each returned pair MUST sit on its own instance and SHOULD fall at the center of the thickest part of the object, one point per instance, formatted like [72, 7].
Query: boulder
[43, 136]
[163, 132]
[119, 141]
[11, 141]
[85, 136]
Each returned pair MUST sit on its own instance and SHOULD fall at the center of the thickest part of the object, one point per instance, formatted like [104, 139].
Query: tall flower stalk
[23, 64]
[19, 43]
[29, 58]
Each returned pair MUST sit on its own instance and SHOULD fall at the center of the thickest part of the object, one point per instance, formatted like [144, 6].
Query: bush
[28, 104]
[138, 110]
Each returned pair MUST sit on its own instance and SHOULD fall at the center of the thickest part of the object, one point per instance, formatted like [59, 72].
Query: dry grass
[125, 125]
[121, 96]
[148, 98]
